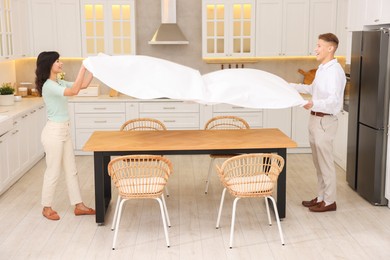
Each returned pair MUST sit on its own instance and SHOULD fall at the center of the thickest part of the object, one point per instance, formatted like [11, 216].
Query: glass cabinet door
[108, 27]
[228, 28]
[6, 36]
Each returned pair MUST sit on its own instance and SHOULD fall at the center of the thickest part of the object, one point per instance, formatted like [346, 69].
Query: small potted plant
[6, 94]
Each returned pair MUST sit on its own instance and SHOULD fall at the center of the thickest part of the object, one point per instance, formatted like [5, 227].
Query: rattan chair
[250, 176]
[140, 177]
[144, 124]
[222, 123]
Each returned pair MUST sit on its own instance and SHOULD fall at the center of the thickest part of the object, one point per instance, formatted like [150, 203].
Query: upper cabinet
[56, 26]
[6, 30]
[228, 28]
[282, 27]
[21, 28]
[377, 12]
[323, 18]
[108, 27]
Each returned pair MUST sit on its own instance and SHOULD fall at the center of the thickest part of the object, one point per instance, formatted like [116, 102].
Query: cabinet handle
[32, 112]
[15, 132]
[24, 116]
[102, 121]
[376, 20]
[169, 121]
[169, 107]
[237, 107]
[100, 108]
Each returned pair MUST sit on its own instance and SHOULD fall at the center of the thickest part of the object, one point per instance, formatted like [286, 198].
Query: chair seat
[138, 187]
[251, 185]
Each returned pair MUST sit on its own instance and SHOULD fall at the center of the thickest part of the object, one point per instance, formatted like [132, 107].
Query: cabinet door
[228, 28]
[13, 151]
[56, 26]
[340, 141]
[323, 17]
[278, 118]
[355, 14]
[21, 28]
[108, 27]
[295, 27]
[342, 27]
[299, 126]
[377, 12]
[43, 26]
[4, 160]
[269, 37]
[6, 30]
[24, 144]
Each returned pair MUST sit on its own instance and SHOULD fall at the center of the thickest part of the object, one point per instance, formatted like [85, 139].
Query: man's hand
[309, 105]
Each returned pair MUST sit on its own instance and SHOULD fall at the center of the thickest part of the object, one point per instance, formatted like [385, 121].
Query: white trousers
[60, 158]
[322, 131]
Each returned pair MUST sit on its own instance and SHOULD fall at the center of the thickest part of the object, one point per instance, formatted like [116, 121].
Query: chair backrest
[140, 176]
[226, 123]
[143, 124]
[251, 175]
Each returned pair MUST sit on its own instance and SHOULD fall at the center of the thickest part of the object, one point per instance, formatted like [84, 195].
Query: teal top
[56, 102]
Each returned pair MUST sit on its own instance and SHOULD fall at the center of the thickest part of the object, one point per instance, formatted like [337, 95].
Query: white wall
[7, 72]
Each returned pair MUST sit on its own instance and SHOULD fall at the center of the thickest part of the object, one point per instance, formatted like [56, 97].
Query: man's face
[323, 50]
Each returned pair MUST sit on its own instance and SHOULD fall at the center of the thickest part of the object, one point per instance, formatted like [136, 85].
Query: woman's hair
[45, 61]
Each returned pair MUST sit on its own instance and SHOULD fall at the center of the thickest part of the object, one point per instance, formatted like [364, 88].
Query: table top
[187, 140]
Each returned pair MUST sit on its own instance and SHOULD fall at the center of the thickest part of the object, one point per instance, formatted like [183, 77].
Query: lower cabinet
[299, 129]
[21, 147]
[254, 117]
[340, 141]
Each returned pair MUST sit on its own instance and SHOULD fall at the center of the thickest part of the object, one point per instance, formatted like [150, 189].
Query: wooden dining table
[105, 144]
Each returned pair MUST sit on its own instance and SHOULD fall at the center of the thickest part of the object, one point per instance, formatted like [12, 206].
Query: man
[327, 92]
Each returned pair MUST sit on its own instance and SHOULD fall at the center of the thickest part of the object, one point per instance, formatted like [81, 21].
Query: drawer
[100, 107]
[176, 120]
[255, 120]
[99, 121]
[168, 107]
[221, 108]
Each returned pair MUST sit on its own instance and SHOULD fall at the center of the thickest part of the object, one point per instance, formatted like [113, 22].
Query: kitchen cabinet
[299, 128]
[55, 25]
[21, 27]
[377, 12]
[254, 117]
[321, 11]
[342, 27]
[228, 28]
[93, 116]
[278, 118]
[174, 115]
[355, 15]
[6, 30]
[340, 141]
[108, 26]
[282, 27]
[20, 148]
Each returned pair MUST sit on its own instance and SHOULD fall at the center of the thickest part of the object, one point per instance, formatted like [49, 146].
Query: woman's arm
[82, 81]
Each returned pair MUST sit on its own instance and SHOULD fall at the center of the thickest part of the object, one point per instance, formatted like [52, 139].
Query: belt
[320, 114]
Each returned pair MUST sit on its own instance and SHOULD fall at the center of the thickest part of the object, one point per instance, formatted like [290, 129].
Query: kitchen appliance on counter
[369, 114]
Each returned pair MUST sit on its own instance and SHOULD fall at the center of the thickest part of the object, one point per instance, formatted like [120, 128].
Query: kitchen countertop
[120, 98]
[21, 106]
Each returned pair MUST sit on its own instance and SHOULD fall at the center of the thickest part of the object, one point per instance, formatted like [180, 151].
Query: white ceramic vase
[7, 100]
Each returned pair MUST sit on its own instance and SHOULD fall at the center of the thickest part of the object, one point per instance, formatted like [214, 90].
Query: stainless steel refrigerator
[368, 114]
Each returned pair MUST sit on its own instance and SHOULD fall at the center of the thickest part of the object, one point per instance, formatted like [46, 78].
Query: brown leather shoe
[322, 208]
[310, 203]
[52, 215]
[80, 212]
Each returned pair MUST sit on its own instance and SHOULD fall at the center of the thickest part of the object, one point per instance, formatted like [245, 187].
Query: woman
[56, 137]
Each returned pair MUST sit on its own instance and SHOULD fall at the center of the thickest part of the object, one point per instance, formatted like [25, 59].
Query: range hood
[168, 32]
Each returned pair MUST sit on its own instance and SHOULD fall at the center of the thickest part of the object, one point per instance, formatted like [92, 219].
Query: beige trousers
[58, 147]
[322, 131]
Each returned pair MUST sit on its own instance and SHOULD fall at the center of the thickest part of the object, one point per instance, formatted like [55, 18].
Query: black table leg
[102, 186]
[281, 190]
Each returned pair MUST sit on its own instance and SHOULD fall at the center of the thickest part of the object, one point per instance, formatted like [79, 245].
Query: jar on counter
[34, 92]
[23, 91]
